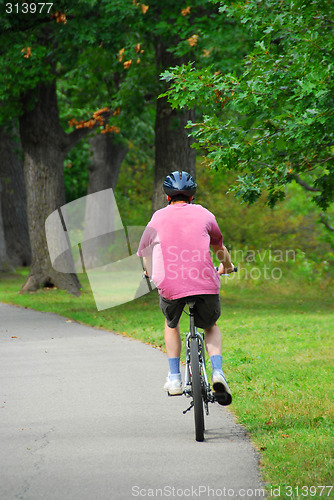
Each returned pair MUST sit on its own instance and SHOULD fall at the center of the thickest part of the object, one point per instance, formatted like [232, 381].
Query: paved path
[83, 417]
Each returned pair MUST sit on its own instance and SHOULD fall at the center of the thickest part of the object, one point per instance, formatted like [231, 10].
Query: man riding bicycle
[175, 248]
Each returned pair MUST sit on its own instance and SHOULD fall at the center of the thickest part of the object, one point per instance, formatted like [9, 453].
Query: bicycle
[196, 384]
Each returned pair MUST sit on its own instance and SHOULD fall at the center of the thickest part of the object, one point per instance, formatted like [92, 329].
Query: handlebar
[235, 270]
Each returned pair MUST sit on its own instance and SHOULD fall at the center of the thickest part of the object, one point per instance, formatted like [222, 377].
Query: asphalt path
[83, 417]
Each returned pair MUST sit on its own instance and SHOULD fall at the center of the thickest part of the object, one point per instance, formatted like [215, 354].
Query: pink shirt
[178, 237]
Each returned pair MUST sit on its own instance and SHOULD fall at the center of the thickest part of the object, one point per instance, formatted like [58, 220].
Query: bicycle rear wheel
[196, 390]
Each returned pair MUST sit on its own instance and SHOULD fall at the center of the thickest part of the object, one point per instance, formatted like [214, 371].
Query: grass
[278, 356]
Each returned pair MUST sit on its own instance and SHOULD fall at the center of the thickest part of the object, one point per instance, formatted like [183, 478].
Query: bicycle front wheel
[196, 390]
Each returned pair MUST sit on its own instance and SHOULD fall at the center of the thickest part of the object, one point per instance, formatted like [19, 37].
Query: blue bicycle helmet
[179, 182]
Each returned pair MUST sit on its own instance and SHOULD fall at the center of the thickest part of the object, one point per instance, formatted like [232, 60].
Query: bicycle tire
[196, 390]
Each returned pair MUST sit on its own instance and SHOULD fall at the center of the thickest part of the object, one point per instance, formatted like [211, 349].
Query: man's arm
[147, 262]
[224, 258]
[145, 249]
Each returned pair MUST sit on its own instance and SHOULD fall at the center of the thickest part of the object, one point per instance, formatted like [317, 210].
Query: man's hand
[225, 270]
[224, 257]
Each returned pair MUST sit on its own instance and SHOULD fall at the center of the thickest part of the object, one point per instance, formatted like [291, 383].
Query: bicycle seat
[191, 303]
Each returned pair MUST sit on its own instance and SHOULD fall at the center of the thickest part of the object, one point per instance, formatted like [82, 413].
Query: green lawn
[278, 357]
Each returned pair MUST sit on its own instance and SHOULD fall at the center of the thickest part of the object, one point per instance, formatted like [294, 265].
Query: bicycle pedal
[223, 398]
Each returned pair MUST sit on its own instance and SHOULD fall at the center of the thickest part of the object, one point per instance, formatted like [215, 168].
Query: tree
[107, 144]
[172, 145]
[272, 122]
[43, 52]
[36, 50]
[107, 158]
[180, 35]
[45, 145]
[14, 237]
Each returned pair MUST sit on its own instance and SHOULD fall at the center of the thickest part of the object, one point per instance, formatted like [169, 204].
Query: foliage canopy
[272, 121]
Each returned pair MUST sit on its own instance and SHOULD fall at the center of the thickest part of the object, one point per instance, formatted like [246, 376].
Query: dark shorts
[207, 309]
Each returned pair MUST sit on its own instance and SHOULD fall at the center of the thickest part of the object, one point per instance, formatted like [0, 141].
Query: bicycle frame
[196, 384]
[205, 386]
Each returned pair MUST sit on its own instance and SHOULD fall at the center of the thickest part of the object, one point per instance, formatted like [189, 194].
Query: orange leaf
[72, 122]
[192, 40]
[110, 128]
[27, 51]
[60, 17]
[144, 8]
[100, 111]
[185, 11]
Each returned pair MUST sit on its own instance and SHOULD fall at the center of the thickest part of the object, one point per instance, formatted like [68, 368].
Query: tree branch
[325, 223]
[74, 137]
[26, 26]
[325, 19]
[304, 184]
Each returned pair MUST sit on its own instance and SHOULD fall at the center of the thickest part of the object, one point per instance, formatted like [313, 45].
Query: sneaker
[173, 387]
[221, 390]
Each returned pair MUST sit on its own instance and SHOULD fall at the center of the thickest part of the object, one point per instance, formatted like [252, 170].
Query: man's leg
[172, 341]
[173, 347]
[213, 343]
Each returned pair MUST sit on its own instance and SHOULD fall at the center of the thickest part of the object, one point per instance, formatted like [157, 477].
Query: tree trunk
[101, 213]
[45, 146]
[172, 144]
[107, 160]
[3, 252]
[13, 206]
